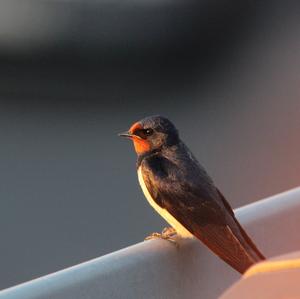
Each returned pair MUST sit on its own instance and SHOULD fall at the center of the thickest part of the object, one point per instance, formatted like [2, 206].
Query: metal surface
[157, 269]
[279, 283]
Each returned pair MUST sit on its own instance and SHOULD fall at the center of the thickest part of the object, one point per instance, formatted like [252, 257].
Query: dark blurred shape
[75, 73]
[82, 43]
[99, 30]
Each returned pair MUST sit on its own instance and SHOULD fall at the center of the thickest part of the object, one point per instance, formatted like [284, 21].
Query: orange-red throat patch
[141, 146]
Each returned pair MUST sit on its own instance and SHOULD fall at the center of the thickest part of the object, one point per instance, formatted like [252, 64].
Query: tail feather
[232, 246]
[247, 250]
[259, 256]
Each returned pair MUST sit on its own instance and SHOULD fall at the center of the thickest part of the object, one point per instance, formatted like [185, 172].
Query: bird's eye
[144, 133]
[148, 132]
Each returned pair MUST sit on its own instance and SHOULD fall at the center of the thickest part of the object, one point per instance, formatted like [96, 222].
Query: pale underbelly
[180, 229]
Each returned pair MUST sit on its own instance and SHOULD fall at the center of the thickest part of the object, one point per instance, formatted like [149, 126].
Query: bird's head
[152, 133]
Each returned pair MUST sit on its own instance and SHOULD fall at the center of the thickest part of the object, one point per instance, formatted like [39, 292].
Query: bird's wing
[201, 210]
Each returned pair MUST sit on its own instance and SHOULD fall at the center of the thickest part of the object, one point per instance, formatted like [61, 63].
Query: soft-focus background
[75, 73]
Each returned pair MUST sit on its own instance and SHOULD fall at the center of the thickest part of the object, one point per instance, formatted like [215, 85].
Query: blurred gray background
[75, 73]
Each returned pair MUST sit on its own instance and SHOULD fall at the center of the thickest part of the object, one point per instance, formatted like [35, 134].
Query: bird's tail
[232, 244]
[256, 253]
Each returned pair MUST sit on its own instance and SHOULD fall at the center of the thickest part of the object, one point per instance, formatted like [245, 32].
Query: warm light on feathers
[140, 145]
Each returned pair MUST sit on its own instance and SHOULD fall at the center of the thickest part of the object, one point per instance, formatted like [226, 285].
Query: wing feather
[199, 206]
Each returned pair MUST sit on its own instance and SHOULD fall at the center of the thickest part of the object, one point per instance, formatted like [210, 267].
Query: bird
[178, 187]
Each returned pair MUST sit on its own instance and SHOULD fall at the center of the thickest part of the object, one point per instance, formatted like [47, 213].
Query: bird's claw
[168, 233]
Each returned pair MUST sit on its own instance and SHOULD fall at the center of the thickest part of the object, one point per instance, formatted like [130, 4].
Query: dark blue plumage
[178, 184]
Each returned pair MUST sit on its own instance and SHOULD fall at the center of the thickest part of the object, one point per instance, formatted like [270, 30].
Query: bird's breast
[180, 229]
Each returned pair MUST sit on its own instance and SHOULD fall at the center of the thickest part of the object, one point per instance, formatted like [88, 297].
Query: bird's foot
[168, 233]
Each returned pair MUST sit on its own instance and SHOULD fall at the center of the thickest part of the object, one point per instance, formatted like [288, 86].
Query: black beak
[126, 134]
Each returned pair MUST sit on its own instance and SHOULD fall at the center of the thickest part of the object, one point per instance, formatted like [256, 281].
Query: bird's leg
[168, 233]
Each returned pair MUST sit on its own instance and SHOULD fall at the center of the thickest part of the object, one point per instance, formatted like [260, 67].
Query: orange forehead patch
[135, 126]
[140, 145]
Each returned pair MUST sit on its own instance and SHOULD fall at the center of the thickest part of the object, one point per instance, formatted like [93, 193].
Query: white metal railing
[157, 269]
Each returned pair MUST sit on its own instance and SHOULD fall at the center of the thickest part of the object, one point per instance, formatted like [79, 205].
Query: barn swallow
[182, 192]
